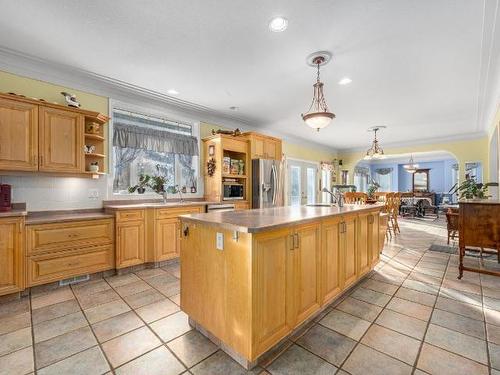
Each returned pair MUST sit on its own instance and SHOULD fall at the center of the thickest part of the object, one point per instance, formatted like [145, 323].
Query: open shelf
[96, 137]
[96, 155]
[234, 175]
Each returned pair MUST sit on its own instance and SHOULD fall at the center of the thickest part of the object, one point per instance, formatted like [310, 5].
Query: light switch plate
[220, 241]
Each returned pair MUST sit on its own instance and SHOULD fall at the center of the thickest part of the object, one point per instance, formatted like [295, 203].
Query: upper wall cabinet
[61, 140]
[263, 146]
[18, 136]
[43, 137]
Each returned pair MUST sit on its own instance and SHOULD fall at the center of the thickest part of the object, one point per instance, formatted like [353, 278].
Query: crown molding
[419, 142]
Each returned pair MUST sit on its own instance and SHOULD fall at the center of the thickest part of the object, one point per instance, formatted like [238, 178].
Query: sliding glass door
[302, 182]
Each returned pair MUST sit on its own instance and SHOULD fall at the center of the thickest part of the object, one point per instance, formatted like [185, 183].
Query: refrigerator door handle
[275, 182]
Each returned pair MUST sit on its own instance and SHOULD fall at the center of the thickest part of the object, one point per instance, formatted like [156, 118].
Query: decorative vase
[93, 168]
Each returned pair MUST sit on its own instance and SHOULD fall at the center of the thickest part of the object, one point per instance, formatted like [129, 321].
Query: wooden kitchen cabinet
[243, 205]
[130, 246]
[331, 270]
[363, 244]
[18, 136]
[347, 240]
[11, 255]
[374, 240]
[61, 140]
[167, 239]
[264, 147]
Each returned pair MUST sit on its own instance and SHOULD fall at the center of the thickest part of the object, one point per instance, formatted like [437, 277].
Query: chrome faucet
[338, 196]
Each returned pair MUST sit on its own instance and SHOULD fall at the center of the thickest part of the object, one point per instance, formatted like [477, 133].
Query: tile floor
[411, 315]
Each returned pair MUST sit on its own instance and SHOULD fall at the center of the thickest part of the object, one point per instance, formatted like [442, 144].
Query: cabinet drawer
[59, 236]
[129, 215]
[51, 267]
[166, 213]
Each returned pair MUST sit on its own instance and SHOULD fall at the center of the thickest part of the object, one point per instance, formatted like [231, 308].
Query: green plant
[470, 189]
[372, 190]
[143, 183]
[156, 183]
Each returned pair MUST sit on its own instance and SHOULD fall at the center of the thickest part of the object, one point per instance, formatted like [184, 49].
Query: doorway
[302, 182]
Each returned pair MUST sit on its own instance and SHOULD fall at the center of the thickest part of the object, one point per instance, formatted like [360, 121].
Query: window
[385, 181]
[152, 145]
[326, 179]
[361, 182]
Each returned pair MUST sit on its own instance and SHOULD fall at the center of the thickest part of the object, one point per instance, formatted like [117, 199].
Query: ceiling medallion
[411, 167]
[375, 152]
[318, 116]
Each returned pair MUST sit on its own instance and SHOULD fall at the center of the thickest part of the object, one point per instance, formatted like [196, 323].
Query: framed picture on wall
[421, 180]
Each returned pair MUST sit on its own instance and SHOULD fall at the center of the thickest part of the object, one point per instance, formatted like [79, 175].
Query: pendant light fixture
[318, 116]
[411, 167]
[375, 152]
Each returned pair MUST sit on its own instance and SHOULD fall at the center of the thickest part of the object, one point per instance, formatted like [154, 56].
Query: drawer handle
[73, 264]
[73, 235]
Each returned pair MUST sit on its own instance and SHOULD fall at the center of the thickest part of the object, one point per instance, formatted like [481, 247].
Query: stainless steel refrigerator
[268, 183]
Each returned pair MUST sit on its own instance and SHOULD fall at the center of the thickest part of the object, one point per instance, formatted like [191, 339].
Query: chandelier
[375, 152]
[411, 167]
[318, 116]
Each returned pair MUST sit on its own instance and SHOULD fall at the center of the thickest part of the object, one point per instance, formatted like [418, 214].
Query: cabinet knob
[186, 231]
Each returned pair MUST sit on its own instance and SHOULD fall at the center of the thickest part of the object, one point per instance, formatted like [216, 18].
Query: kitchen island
[250, 278]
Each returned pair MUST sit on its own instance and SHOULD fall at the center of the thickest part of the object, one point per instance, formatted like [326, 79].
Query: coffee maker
[5, 197]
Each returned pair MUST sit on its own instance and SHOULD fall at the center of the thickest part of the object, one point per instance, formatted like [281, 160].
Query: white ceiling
[426, 68]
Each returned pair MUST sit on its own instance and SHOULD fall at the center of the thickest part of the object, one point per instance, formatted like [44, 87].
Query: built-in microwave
[233, 190]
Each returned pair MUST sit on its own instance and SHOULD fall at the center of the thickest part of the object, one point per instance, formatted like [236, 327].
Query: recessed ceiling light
[173, 92]
[234, 108]
[345, 81]
[278, 24]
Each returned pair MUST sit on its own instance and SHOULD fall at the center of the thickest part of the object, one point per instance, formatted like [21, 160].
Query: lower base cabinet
[11, 255]
[130, 246]
[166, 239]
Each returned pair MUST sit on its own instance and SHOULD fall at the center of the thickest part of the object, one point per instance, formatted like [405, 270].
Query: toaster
[5, 197]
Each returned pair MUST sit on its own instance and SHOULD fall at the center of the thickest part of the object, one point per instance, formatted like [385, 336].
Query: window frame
[151, 111]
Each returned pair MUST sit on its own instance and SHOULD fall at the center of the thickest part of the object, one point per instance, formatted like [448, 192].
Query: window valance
[362, 171]
[384, 171]
[155, 139]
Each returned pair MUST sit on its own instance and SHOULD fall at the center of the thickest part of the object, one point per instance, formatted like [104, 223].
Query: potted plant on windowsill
[156, 183]
[141, 186]
[470, 189]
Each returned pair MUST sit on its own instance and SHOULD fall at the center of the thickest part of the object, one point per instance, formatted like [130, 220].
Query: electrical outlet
[93, 194]
[220, 241]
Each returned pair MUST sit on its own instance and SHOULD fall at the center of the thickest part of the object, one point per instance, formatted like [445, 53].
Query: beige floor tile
[491, 292]
[119, 280]
[402, 323]
[55, 311]
[390, 279]
[361, 309]
[106, 311]
[425, 278]
[409, 308]
[150, 272]
[17, 363]
[172, 326]
[458, 295]
[173, 269]
[365, 360]
[110, 328]
[434, 360]
[88, 301]
[52, 328]
[416, 296]
[492, 317]
[132, 288]
[371, 296]
[459, 323]
[144, 298]
[90, 287]
[15, 307]
[13, 341]
[421, 286]
[14, 322]
[491, 303]
[294, 361]
[461, 308]
[494, 355]
[458, 343]
[157, 362]
[493, 333]
[347, 324]
[392, 343]
[52, 297]
[176, 298]
[379, 286]
[90, 361]
[129, 346]
[157, 310]
[60, 347]
[192, 348]
[462, 285]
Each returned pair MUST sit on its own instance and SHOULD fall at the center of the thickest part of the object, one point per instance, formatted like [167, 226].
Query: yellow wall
[33, 88]
[474, 150]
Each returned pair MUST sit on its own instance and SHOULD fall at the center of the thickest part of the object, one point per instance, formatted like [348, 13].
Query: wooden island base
[249, 288]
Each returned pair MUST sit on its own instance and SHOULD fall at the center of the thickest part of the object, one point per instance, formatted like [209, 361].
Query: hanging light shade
[411, 167]
[318, 116]
[375, 152]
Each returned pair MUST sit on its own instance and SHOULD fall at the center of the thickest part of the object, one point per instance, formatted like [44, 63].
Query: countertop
[156, 205]
[14, 212]
[44, 217]
[259, 220]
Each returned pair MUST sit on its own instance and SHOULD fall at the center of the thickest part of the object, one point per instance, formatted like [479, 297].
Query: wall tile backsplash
[46, 193]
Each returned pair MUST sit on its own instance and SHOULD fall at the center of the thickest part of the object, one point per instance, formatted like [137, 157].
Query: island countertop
[259, 220]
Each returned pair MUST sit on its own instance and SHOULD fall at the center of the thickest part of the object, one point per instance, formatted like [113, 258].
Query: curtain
[383, 171]
[136, 137]
[362, 170]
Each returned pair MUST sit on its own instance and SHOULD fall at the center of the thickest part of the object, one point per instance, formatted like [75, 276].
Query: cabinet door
[362, 244]
[270, 149]
[166, 239]
[373, 238]
[129, 244]
[18, 136]
[11, 256]
[257, 148]
[331, 272]
[348, 241]
[61, 141]
[272, 260]
[306, 272]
